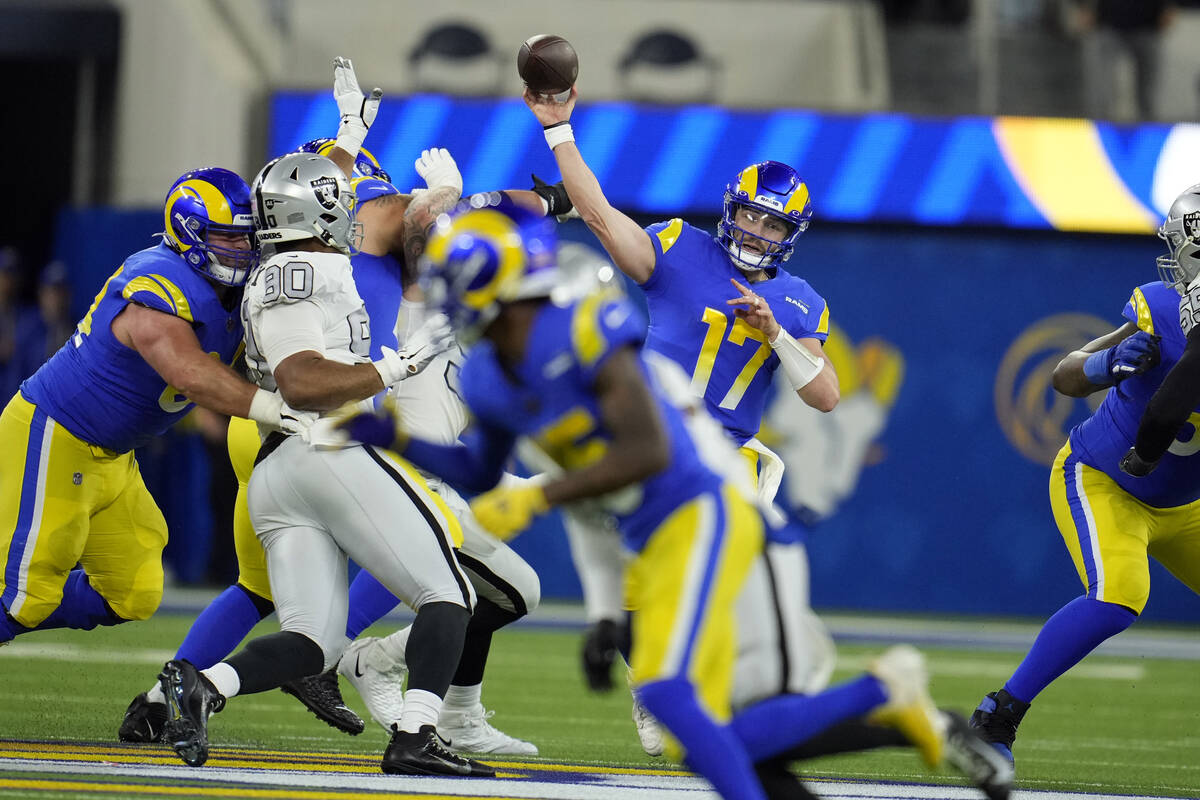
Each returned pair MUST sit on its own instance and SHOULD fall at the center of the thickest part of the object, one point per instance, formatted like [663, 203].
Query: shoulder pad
[601, 321]
[160, 293]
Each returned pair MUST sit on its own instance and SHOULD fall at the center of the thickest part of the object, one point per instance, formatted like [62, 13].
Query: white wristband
[350, 138]
[799, 364]
[265, 407]
[558, 133]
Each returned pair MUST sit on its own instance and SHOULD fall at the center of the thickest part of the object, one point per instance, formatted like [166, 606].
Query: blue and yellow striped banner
[1014, 172]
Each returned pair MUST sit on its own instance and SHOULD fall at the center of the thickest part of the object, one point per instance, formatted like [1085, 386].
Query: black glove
[555, 195]
[601, 645]
[1135, 465]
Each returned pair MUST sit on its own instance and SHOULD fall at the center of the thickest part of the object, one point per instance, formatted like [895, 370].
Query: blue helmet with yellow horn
[208, 222]
[487, 252]
[772, 188]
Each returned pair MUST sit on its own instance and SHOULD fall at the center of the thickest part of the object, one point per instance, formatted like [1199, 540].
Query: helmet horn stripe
[214, 201]
[798, 200]
[748, 183]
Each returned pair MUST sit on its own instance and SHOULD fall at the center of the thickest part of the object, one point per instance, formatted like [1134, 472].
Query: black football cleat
[977, 758]
[191, 699]
[144, 721]
[425, 753]
[321, 695]
[997, 718]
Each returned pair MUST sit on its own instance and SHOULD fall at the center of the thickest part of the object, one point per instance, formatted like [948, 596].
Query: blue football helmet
[207, 201]
[769, 188]
[487, 252]
[365, 166]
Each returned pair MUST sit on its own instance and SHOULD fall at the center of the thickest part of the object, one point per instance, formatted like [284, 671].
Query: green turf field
[1119, 725]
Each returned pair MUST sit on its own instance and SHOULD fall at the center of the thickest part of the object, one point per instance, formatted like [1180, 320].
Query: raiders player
[308, 334]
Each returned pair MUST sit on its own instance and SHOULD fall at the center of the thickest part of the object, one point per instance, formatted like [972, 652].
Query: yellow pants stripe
[64, 502]
[1111, 535]
[684, 585]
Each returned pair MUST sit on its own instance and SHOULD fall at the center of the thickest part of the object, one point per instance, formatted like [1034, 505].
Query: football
[548, 65]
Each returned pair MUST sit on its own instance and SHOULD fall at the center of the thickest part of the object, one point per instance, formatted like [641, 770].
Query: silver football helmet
[305, 196]
[1181, 231]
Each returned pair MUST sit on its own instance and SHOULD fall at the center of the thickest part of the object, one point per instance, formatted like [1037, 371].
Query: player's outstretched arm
[169, 345]
[356, 110]
[626, 242]
[1105, 361]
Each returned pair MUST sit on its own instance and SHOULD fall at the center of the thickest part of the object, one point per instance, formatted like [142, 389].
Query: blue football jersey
[1103, 438]
[550, 399]
[105, 393]
[730, 363]
[378, 279]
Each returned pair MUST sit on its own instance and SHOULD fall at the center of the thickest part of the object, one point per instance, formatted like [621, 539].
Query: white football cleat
[378, 677]
[909, 708]
[470, 732]
[648, 730]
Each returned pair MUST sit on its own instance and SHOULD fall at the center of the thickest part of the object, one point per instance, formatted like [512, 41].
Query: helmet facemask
[734, 238]
[1180, 266]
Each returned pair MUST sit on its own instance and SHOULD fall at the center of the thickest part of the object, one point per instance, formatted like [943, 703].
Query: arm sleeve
[475, 465]
[289, 328]
[1170, 406]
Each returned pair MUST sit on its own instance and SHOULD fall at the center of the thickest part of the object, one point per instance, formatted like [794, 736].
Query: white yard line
[568, 786]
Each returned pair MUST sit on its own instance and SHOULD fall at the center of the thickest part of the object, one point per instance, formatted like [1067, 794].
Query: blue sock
[81, 608]
[780, 723]
[222, 625]
[1075, 630]
[9, 627]
[710, 749]
[369, 602]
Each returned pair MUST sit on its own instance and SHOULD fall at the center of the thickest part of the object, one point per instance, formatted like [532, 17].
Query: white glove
[426, 343]
[437, 168]
[357, 111]
[268, 408]
[325, 435]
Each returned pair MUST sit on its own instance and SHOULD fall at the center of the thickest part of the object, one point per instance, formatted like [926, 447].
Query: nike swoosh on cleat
[358, 673]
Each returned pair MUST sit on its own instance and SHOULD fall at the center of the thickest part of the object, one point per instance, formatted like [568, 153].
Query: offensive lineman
[1122, 490]
[70, 489]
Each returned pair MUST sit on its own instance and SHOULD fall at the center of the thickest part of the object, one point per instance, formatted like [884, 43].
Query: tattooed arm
[420, 215]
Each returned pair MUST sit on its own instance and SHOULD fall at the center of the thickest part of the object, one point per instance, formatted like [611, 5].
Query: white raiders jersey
[299, 301]
[430, 402]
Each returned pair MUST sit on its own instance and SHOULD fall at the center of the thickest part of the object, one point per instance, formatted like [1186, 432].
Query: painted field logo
[1035, 418]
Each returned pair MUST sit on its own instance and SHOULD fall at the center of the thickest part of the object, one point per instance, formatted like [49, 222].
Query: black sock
[435, 646]
[486, 620]
[850, 736]
[270, 661]
[779, 783]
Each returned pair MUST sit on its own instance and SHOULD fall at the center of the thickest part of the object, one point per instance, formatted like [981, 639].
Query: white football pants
[314, 508]
[783, 647]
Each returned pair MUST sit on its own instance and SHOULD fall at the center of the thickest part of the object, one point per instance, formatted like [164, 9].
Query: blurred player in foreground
[1113, 508]
[82, 538]
[570, 375]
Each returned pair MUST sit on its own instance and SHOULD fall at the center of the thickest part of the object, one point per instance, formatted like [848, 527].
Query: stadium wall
[948, 509]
